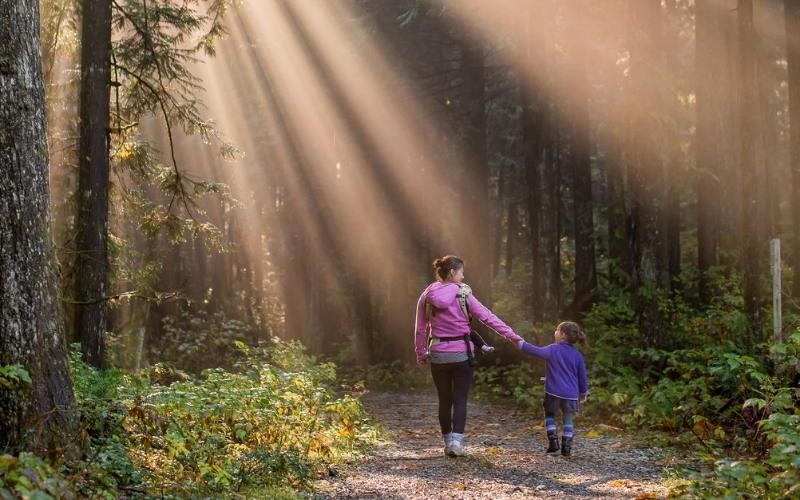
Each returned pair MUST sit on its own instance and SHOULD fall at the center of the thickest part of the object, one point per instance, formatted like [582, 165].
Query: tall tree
[647, 171]
[580, 161]
[91, 268]
[476, 178]
[707, 153]
[792, 21]
[748, 122]
[31, 329]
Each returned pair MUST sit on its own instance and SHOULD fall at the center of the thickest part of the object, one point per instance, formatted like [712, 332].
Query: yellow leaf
[619, 483]
[492, 450]
[646, 496]
[592, 434]
[461, 486]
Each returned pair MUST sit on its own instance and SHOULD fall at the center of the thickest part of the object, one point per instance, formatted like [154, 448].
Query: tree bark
[708, 158]
[581, 165]
[476, 202]
[31, 327]
[647, 174]
[792, 20]
[748, 121]
[91, 268]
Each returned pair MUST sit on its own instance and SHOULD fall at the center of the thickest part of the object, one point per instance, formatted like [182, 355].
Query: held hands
[583, 397]
[520, 343]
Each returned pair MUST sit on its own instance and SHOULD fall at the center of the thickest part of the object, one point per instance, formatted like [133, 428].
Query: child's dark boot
[552, 443]
[566, 446]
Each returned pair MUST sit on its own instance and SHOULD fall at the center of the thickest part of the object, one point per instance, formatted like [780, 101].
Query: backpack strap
[464, 291]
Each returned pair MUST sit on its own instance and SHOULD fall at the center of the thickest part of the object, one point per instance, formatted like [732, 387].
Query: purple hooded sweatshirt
[448, 320]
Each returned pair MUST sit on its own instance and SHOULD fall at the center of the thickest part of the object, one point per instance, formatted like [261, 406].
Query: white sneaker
[487, 349]
[448, 438]
[457, 446]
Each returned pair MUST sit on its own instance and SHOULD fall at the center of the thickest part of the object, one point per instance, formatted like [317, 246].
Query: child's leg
[551, 406]
[552, 432]
[568, 426]
[550, 425]
[566, 442]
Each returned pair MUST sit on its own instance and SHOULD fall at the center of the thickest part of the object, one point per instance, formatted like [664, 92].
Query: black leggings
[453, 381]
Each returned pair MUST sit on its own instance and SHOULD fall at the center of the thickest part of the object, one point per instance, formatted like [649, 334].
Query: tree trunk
[647, 173]
[91, 268]
[513, 217]
[748, 122]
[38, 415]
[477, 253]
[580, 160]
[707, 151]
[792, 19]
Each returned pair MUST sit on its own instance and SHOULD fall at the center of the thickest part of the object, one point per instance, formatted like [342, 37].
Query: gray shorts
[554, 403]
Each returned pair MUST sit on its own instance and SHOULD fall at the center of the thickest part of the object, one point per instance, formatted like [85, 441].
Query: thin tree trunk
[748, 122]
[707, 151]
[39, 415]
[581, 166]
[792, 19]
[502, 206]
[91, 269]
[478, 249]
[647, 174]
[511, 236]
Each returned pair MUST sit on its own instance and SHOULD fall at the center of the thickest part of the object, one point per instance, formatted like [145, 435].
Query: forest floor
[506, 458]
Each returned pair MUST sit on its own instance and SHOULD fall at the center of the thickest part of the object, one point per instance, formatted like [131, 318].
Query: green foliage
[12, 376]
[28, 476]
[522, 383]
[271, 423]
[195, 340]
[396, 376]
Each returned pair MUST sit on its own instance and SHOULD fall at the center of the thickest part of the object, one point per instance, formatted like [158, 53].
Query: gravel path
[506, 458]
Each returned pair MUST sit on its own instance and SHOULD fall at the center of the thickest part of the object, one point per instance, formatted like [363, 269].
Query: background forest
[244, 193]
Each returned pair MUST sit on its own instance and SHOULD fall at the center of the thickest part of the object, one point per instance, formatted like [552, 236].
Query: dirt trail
[506, 458]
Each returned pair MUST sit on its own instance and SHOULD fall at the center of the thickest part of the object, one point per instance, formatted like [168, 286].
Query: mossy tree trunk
[40, 414]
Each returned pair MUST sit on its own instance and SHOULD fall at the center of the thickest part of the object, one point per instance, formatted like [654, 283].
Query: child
[565, 382]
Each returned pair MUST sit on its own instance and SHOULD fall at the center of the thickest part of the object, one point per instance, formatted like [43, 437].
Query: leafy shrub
[28, 476]
[194, 340]
[269, 424]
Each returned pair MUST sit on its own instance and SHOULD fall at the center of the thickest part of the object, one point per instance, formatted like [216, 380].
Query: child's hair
[573, 332]
[448, 263]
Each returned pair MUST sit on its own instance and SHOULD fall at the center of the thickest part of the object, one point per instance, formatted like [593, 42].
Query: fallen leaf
[592, 434]
[646, 496]
[492, 450]
[619, 483]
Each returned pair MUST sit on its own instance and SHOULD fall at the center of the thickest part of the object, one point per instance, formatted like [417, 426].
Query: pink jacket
[448, 320]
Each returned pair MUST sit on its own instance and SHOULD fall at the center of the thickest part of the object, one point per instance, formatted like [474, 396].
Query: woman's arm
[421, 331]
[485, 316]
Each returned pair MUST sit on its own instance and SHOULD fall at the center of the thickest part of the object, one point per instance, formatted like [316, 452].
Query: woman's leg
[462, 381]
[443, 379]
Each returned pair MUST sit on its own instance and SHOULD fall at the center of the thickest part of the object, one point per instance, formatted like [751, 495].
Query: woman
[439, 311]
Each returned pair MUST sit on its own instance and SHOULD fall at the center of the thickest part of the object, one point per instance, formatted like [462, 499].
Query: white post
[775, 264]
[139, 350]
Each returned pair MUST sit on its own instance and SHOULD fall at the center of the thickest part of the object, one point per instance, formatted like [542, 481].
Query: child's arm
[583, 382]
[542, 352]
[485, 316]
